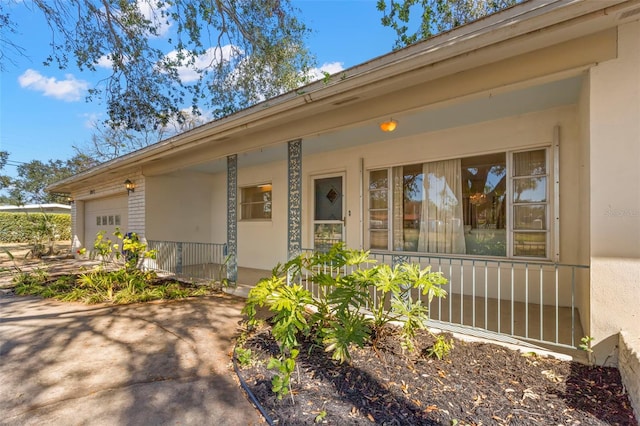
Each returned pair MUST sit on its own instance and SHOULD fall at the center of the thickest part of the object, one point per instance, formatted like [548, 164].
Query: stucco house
[513, 169]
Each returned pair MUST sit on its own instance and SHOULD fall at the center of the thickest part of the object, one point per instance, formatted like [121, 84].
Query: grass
[101, 286]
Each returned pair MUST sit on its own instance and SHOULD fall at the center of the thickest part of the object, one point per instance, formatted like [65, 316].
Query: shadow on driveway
[152, 363]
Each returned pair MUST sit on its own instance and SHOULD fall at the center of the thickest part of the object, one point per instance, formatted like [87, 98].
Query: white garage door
[105, 214]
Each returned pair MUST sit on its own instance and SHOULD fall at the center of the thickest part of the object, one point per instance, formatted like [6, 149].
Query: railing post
[517, 285]
[179, 258]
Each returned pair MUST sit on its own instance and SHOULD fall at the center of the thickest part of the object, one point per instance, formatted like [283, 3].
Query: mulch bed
[476, 384]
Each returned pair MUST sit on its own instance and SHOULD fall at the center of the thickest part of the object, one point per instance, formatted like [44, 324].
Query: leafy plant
[244, 356]
[351, 302]
[133, 251]
[127, 284]
[586, 344]
[13, 260]
[20, 228]
[345, 329]
[281, 383]
[43, 235]
[440, 348]
[320, 417]
[221, 278]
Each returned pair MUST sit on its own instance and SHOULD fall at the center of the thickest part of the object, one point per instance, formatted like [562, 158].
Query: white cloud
[150, 11]
[213, 56]
[70, 89]
[91, 120]
[318, 73]
[105, 62]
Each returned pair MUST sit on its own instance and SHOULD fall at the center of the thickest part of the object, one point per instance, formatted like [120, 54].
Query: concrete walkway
[145, 364]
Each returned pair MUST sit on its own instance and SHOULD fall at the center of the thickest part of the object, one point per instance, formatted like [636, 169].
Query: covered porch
[520, 302]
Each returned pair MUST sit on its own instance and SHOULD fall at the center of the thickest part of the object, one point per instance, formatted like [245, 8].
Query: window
[487, 205]
[255, 202]
[530, 203]
[378, 209]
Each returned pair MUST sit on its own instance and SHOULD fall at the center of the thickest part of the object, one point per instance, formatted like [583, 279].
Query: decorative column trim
[232, 217]
[294, 232]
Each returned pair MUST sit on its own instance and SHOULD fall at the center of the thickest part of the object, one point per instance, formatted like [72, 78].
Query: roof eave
[518, 20]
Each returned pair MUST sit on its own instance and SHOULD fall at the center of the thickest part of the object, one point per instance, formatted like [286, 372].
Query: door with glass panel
[328, 212]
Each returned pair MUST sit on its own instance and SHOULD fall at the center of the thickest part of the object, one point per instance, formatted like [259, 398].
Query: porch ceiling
[479, 108]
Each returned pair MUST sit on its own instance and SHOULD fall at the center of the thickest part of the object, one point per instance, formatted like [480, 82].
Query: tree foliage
[433, 16]
[109, 142]
[35, 176]
[8, 48]
[5, 181]
[168, 55]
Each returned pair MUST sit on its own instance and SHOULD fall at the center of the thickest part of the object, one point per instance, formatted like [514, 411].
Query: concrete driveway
[146, 364]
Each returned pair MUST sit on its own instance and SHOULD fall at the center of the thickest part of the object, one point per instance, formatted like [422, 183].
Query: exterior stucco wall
[218, 215]
[178, 208]
[615, 194]
[629, 365]
[263, 243]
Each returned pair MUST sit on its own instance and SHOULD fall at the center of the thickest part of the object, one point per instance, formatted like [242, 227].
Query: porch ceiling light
[389, 125]
[130, 186]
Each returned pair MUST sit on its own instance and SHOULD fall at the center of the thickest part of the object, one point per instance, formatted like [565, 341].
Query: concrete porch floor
[247, 279]
[528, 321]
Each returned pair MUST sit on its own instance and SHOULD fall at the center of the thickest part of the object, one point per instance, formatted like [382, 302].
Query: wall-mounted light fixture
[70, 199]
[131, 187]
[389, 125]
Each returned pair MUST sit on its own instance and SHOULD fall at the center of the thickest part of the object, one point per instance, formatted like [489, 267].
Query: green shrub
[349, 308]
[128, 284]
[27, 227]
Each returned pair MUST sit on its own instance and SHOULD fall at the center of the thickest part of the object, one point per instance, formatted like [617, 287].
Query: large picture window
[255, 202]
[487, 205]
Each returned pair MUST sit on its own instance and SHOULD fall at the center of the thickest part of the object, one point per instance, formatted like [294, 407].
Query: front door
[329, 217]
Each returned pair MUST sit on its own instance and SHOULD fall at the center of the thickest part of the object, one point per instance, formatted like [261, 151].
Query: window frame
[550, 225]
[389, 200]
[242, 204]
[552, 205]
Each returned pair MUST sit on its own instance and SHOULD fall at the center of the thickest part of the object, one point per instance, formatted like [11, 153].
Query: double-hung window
[487, 205]
[530, 203]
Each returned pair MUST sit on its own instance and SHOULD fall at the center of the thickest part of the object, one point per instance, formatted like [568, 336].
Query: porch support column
[294, 233]
[232, 218]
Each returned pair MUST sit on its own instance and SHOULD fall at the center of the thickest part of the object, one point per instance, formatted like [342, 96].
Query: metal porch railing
[205, 261]
[526, 300]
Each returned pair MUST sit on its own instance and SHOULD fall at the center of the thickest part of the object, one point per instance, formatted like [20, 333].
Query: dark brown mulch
[476, 384]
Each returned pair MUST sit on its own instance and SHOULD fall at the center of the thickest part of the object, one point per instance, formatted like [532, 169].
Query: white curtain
[441, 223]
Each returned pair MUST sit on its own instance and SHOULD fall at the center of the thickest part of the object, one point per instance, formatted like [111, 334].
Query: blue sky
[43, 112]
